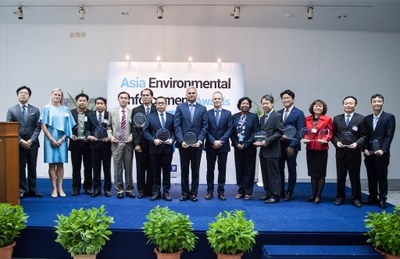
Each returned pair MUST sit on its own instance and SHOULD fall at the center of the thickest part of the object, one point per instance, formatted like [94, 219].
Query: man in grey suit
[271, 123]
[28, 133]
[120, 134]
[348, 142]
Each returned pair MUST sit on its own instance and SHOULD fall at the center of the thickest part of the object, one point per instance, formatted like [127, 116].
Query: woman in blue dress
[56, 121]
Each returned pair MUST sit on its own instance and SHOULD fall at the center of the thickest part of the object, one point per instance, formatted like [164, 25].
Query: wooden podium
[9, 163]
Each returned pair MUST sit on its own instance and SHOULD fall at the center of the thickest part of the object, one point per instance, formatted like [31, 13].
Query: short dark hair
[160, 97]
[82, 95]
[101, 99]
[288, 92]
[325, 107]
[268, 97]
[148, 89]
[244, 99]
[123, 92]
[24, 87]
[377, 95]
[350, 96]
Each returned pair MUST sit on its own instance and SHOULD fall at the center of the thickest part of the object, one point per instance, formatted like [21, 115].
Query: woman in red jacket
[319, 128]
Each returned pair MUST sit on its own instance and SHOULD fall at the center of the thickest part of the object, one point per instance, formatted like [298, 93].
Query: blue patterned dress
[59, 122]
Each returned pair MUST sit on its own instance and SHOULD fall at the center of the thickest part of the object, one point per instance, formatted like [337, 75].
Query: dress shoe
[356, 203]
[107, 193]
[54, 194]
[167, 197]
[184, 198]
[75, 192]
[22, 195]
[370, 201]
[120, 195]
[62, 194]
[265, 197]
[131, 195]
[141, 195]
[95, 194]
[221, 197]
[339, 201]
[155, 196]
[247, 197]
[88, 192]
[311, 199]
[193, 198]
[35, 194]
[382, 204]
[209, 196]
[239, 196]
[272, 200]
[288, 197]
[317, 200]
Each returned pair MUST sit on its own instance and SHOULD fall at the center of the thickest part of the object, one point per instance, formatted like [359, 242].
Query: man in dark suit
[100, 147]
[271, 123]
[160, 150]
[217, 145]
[292, 117]
[190, 117]
[142, 152]
[28, 132]
[378, 129]
[80, 147]
[348, 142]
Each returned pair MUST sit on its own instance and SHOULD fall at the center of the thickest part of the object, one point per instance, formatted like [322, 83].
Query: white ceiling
[361, 15]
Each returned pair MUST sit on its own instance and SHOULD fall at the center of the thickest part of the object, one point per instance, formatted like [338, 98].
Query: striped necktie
[122, 134]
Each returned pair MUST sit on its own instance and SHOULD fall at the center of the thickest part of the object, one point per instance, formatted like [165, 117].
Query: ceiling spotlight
[190, 59]
[310, 12]
[236, 12]
[127, 57]
[158, 58]
[81, 13]
[160, 12]
[19, 13]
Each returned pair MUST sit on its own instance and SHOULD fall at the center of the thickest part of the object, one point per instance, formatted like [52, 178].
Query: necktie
[285, 115]
[24, 112]
[376, 118]
[123, 126]
[100, 118]
[217, 116]
[191, 109]
[266, 118]
[162, 120]
[347, 119]
[147, 111]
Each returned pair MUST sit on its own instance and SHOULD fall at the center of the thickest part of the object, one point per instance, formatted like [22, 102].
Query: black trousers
[190, 157]
[212, 157]
[161, 162]
[81, 152]
[271, 177]
[291, 162]
[144, 171]
[101, 155]
[245, 163]
[352, 167]
[27, 159]
[377, 172]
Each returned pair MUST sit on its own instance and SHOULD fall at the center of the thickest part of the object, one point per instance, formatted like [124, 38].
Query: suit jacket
[137, 132]
[151, 127]
[221, 132]
[92, 124]
[114, 124]
[339, 128]
[183, 124]
[384, 131]
[274, 129]
[73, 144]
[323, 122]
[296, 119]
[251, 126]
[29, 128]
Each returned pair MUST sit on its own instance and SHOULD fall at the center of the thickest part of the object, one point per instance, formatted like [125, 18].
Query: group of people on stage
[150, 133]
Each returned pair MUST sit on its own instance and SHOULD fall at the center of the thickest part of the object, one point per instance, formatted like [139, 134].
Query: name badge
[313, 130]
[354, 128]
[85, 119]
[66, 114]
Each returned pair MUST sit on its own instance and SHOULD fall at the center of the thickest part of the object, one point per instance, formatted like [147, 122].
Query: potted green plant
[84, 231]
[231, 235]
[384, 232]
[12, 221]
[170, 231]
